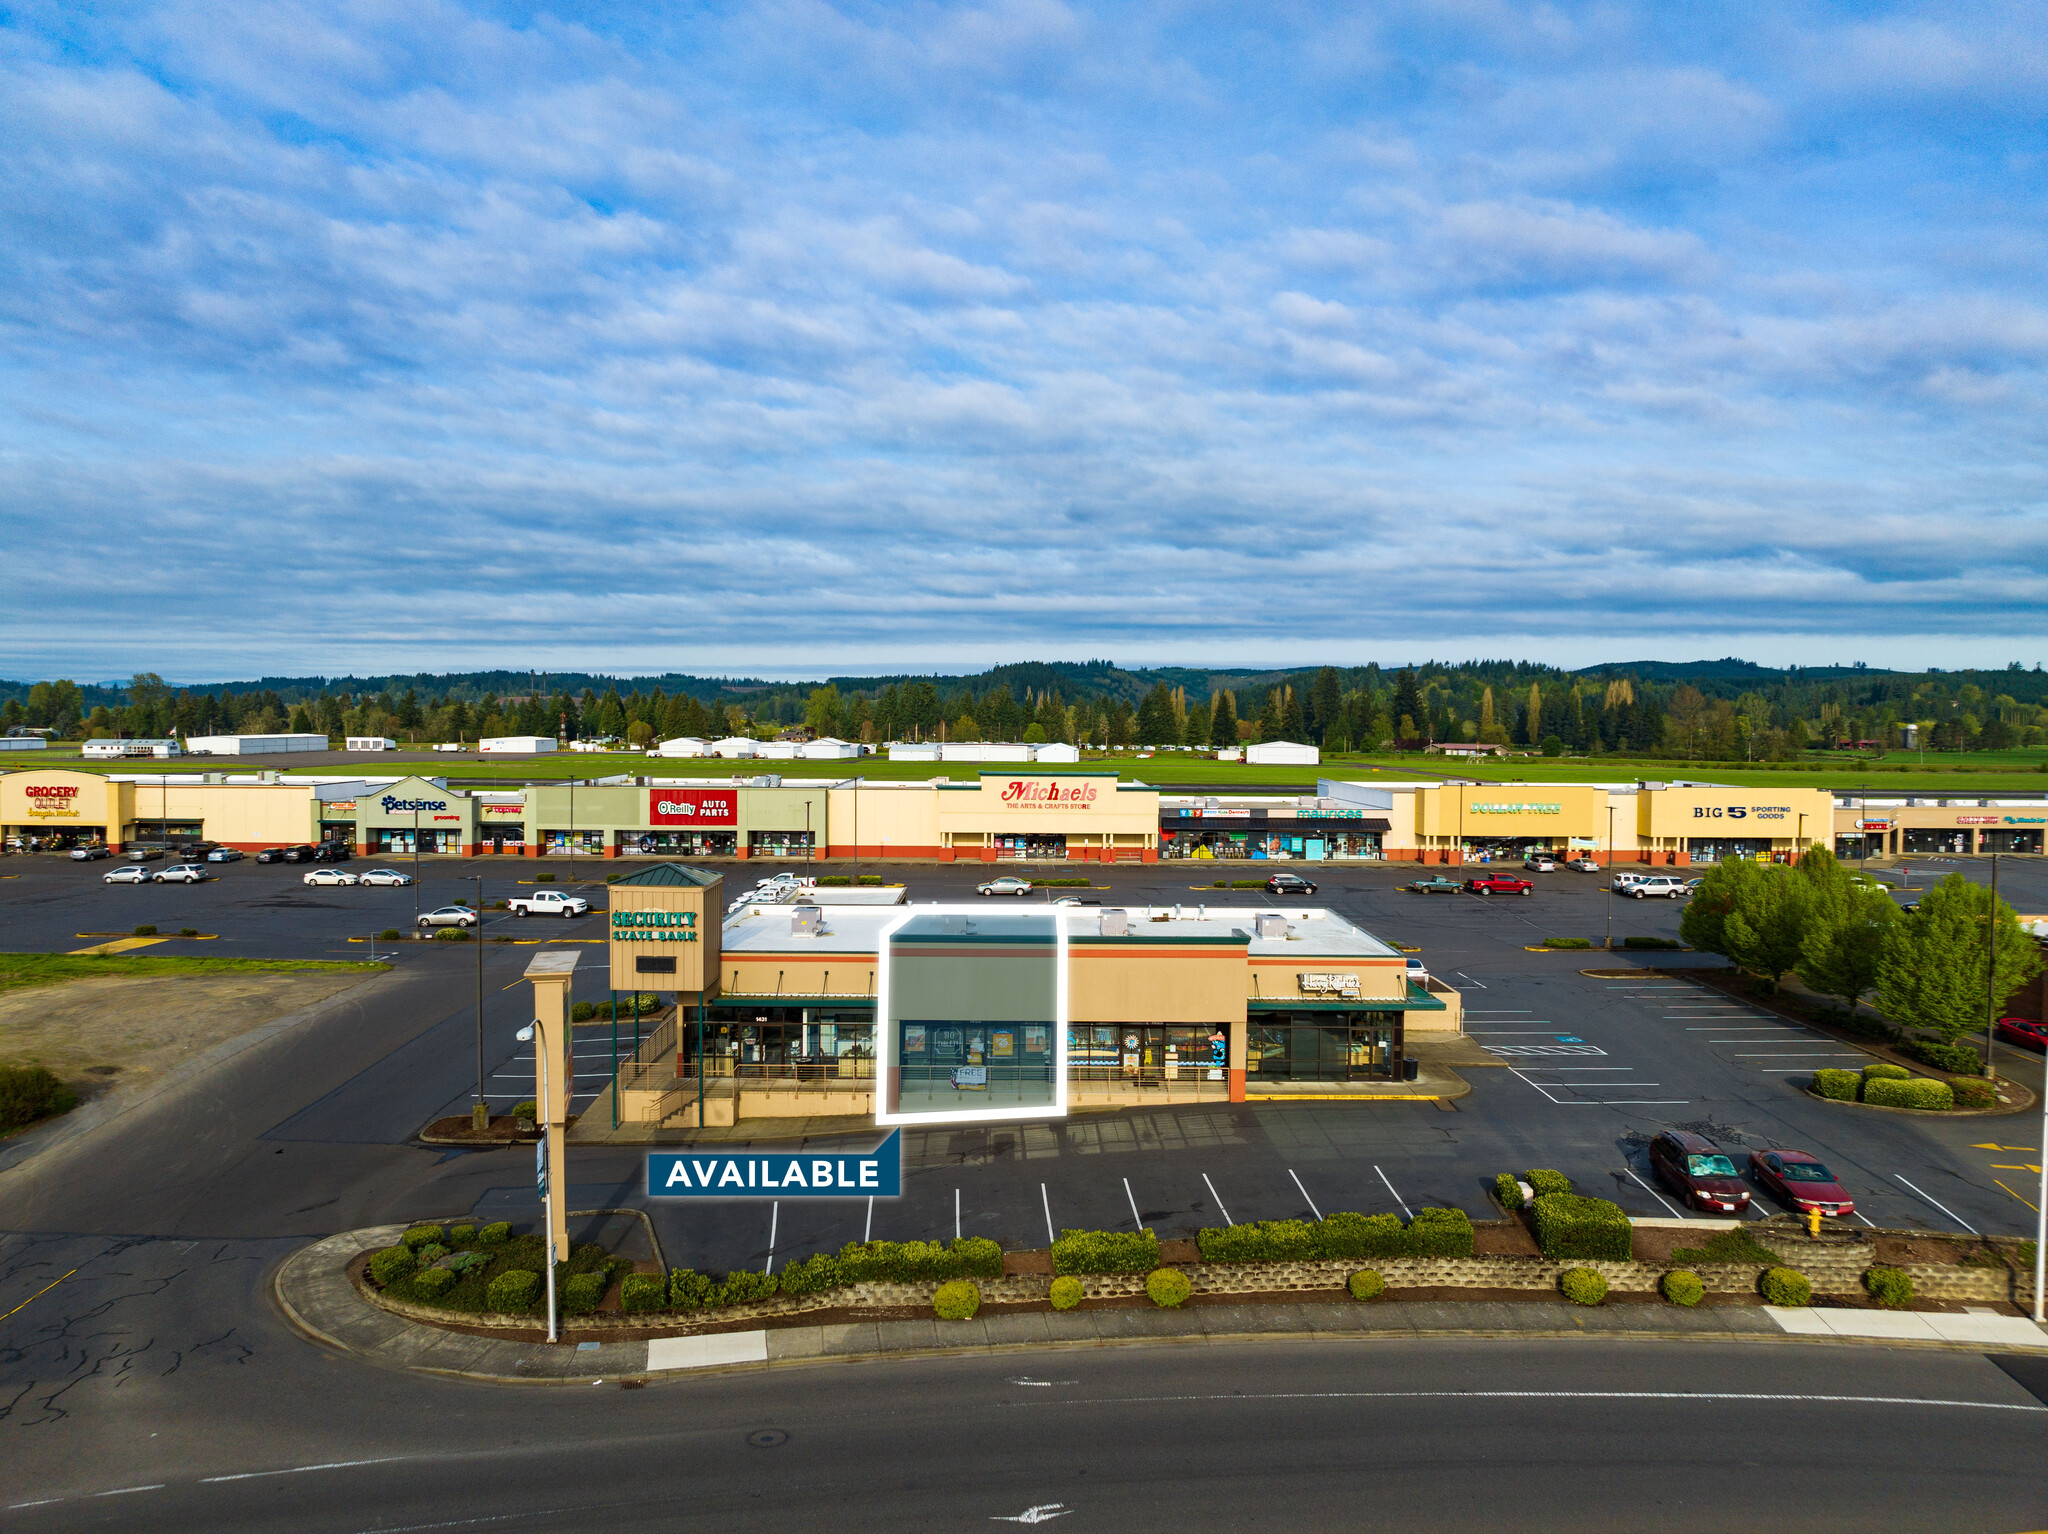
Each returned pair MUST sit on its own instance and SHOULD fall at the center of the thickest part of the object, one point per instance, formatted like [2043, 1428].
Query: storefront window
[1702, 850]
[502, 835]
[686, 844]
[972, 1013]
[2012, 841]
[399, 839]
[1148, 1055]
[1031, 846]
[1932, 839]
[1319, 1046]
[785, 1043]
[582, 844]
[779, 844]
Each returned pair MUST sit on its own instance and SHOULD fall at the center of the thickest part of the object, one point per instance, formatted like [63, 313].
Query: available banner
[696, 1174]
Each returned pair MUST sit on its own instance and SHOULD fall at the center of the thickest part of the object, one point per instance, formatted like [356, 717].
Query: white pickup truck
[548, 903]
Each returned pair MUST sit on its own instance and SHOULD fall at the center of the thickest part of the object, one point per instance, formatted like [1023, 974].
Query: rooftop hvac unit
[806, 921]
[1116, 923]
[1272, 924]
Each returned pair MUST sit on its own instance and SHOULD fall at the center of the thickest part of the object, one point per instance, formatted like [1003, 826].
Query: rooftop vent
[1116, 923]
[806, 921]
[1272, 924]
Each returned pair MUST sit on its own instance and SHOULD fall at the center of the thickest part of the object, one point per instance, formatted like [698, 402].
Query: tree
[821, 710]
[1534, 729]
[1769, 922]
[1326, 704]
[1407, 710]
[1293, 726]
[1223, 721]
[1846, 930]
[1933, 970]
[1155, 717]
[302, 722]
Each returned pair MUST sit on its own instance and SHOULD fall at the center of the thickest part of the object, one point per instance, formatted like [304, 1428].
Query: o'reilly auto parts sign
[693, 807]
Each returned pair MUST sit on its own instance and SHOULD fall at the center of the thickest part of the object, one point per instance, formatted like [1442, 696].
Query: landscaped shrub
[514, 1291]
[462, 1262]
[432, 1284]
[1167, 1288]
[1543, 1182]
[1440, 1233]
[495, 1232]
[643, 1291]
[1651, 942]
[452, 935]
[1921, 1092]
[421, 1235]
[1836, 1086]
[1682, 1287]
[188, 932]
[31, 1092]
[895, 1262]
[743, 1288]
[1583, 1286]
[1568, 1226]
[390, 935]
[1066, 1293]
[543, 878]
[1956, 1059]
[1890, 1287]
[870, 879]
[1734, 1245]
[1258, 1241]
[530, 1109]
[1784, 1286]
[1343, 1236]
[819, 1271]
[429, 1253]
[1105, 1251]
[394, 1262]
[688, 1289]
[1887, 1071]
[1974, 1092]
[1567, 942]
[147, 929]
[957, 1300]
[1508, 1189]
[581, 1293]
[461, 1235]
[1366, 1284]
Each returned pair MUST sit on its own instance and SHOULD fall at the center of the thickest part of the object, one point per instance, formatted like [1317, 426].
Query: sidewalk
[322, 1305]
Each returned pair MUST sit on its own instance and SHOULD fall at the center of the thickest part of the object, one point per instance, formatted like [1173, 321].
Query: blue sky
[809, 336]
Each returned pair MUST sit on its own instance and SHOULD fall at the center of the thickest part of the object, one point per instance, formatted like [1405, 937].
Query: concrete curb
[319, 1303]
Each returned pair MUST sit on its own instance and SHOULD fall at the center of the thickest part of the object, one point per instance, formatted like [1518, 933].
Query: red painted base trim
[1237, 1086]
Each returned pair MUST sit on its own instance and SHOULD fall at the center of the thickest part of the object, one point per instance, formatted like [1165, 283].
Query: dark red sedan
[1800, 1181]
[2024, 1032]
[1498, 884]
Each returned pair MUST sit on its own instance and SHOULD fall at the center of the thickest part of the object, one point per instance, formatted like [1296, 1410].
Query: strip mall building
[1029, 816]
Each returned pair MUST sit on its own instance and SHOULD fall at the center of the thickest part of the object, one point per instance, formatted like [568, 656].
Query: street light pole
[1610, 878]
[415, 865]
[1991, 976]
[480, 1113]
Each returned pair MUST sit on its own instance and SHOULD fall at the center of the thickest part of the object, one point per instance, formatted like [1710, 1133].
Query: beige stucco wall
[1136, 981]
[1717, 812]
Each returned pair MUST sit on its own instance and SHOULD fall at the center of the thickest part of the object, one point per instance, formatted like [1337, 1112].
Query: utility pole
[480, 1111]
[1991, 974]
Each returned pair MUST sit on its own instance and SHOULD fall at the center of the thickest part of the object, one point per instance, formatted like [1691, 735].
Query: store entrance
[1034, 847]
[1320, 1046]
[1509, 849]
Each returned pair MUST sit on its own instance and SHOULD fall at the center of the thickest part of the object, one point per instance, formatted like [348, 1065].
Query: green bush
[462, 1262]
[582, 1293]
[1890, 1287]
[870, 879]
[1733, 1245]
[1440, 1233]
[1508, 1189]
[1836, 1086]
[390, 935]
[1567, 942]
[1583, 1286]
[452, 935]
[1974, 1092]
[391, 1264]
[1921, 1092]
[894, 1262]
[957, 1299]
[1682, 1287]
[188, 932]
[1105, 1251]
[688, 1289]
[495, 1232]
[432, 1284]
[1887, 1071]
[743, 1288]
[832, 881]
[1066, 1293]
[429, 1253]
[1651, 942]
[461, 1235]
[543, 878]
[31, 1092]
[147, 929]
[422, 1235]
[643, 1291]
[514, 1291]
[1568, 1226]
[1542, 1182]
[817, 1272]
[1168, 1288]
[1343, 1236]
[1784, 1286]
[1956, 1059]
[1366, 1284]
[530, 1109]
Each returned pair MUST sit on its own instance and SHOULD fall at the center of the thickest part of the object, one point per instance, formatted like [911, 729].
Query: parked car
[1800, 1180]
[2024, 1032]
[547, 903]
[89, 852]
[1582, 865]
[1692, 885]
[1436, 884]
[384, 876]
[449, 916]
[1075, 900]
[1657, 887]
[183, 873]
[299, 854]
[339, 876]
[1538, 862]
[1418, 972]
[131, 874]
[1499, 884]
[145, 854]
[1693, 1167]
[271, 855]
[1289, 884]
[224, 855]
[1004, 886]
[1623, 880]
[785, 881]
[193, 852]
[332, 852]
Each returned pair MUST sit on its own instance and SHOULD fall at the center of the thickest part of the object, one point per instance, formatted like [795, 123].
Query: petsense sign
[392, 805]
[862, 1174]
[693, 807]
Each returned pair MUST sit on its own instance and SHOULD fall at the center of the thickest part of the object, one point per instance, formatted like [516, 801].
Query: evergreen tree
[1293, 726]
[1407, 714]
[1326, 704]
[1223, 720]
[1155, 717]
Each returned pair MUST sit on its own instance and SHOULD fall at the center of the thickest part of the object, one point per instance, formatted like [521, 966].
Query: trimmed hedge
[1785, 1286]
[1168, 1288]
[1890, 1287]
[956, 1300]
[582, 1294]
[1105, 1251]
[1956, 1059]
[1547, 1182]
[1583, 1286]
[1836, 1086]
[743, 1287]
[1066, 1293]
[895, 1262]
[1651, 942]
[393, 1263]
[688, 1289]
[433, 1283]
[495, 1233]
[514, 1291]
[1974, 1092]
[1366, 1284]
[1922, 1092]
[461, 1235]
[1568, 942]
[1508, 1189]
[1887, 1071]
[429, 1254]
[1341, 1237]
[1681, 1286]
[643, 1291]
[1569, 1226]
[421, 1235]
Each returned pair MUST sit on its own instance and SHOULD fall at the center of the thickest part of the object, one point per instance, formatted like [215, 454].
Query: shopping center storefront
[1940, 827]
[1492, 823]
[415, 815]
[1278, 834]
[1684, 824]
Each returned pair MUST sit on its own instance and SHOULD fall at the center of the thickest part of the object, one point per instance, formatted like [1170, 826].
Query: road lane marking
[1043, 1197]
[53, 1283]
[2034, 1207]
[340, 1464]
[1127, 1194]
[1526, 1395]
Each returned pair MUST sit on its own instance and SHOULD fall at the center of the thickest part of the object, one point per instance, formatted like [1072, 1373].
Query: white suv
[1657, 885]
[182, 873]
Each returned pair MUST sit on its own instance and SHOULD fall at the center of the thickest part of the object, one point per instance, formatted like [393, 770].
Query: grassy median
[20, 970]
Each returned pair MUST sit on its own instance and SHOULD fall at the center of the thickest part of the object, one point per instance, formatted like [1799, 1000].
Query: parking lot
[1587, 1067]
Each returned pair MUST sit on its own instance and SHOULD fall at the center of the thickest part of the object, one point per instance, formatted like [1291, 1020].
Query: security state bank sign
[861, 1174]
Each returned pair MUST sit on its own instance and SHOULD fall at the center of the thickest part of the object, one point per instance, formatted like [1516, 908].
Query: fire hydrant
[1813, 1223]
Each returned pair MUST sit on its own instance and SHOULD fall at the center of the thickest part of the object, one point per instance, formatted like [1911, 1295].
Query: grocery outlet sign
[862, 1174]
[52, 801]
[1478, 807]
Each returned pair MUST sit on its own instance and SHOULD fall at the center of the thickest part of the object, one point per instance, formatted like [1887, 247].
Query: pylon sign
[746, 1174]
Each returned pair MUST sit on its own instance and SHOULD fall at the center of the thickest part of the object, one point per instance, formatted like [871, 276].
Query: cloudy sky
[801, 336]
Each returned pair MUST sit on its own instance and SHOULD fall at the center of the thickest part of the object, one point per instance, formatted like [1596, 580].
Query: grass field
[1961, 773]
[19, 970]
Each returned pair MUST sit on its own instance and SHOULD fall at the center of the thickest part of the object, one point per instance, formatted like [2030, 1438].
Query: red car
[1800, 1181]
[1498, 884]
[2024, 1032]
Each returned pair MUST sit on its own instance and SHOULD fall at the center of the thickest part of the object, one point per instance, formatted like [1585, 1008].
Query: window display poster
[913, 1040]
[976, 1046]
[1034, 1039]
[971, 1078]
[946, 1043]
[1004, 1044]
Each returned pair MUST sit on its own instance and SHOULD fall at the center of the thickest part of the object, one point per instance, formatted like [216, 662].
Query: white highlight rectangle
[707, 1352]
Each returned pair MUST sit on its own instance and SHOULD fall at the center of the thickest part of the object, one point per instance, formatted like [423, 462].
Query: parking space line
[1652, 1192]
[1134, 1204]
[1227, 1220]
[867, 1232]
[1043, 1197]
[1304, 1193]
[1943, 1208]
[956, 1210]
[1397, 1197]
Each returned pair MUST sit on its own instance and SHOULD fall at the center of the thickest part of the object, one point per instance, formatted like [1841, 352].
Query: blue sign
[721, 1174]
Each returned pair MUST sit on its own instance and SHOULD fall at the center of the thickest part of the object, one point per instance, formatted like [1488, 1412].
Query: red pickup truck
[1499, 884]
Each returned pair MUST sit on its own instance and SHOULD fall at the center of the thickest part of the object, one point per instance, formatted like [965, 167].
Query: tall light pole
[1991, 976]
[1610, 878]
[2041, 1215]
[480, 1111]
[415, 863]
